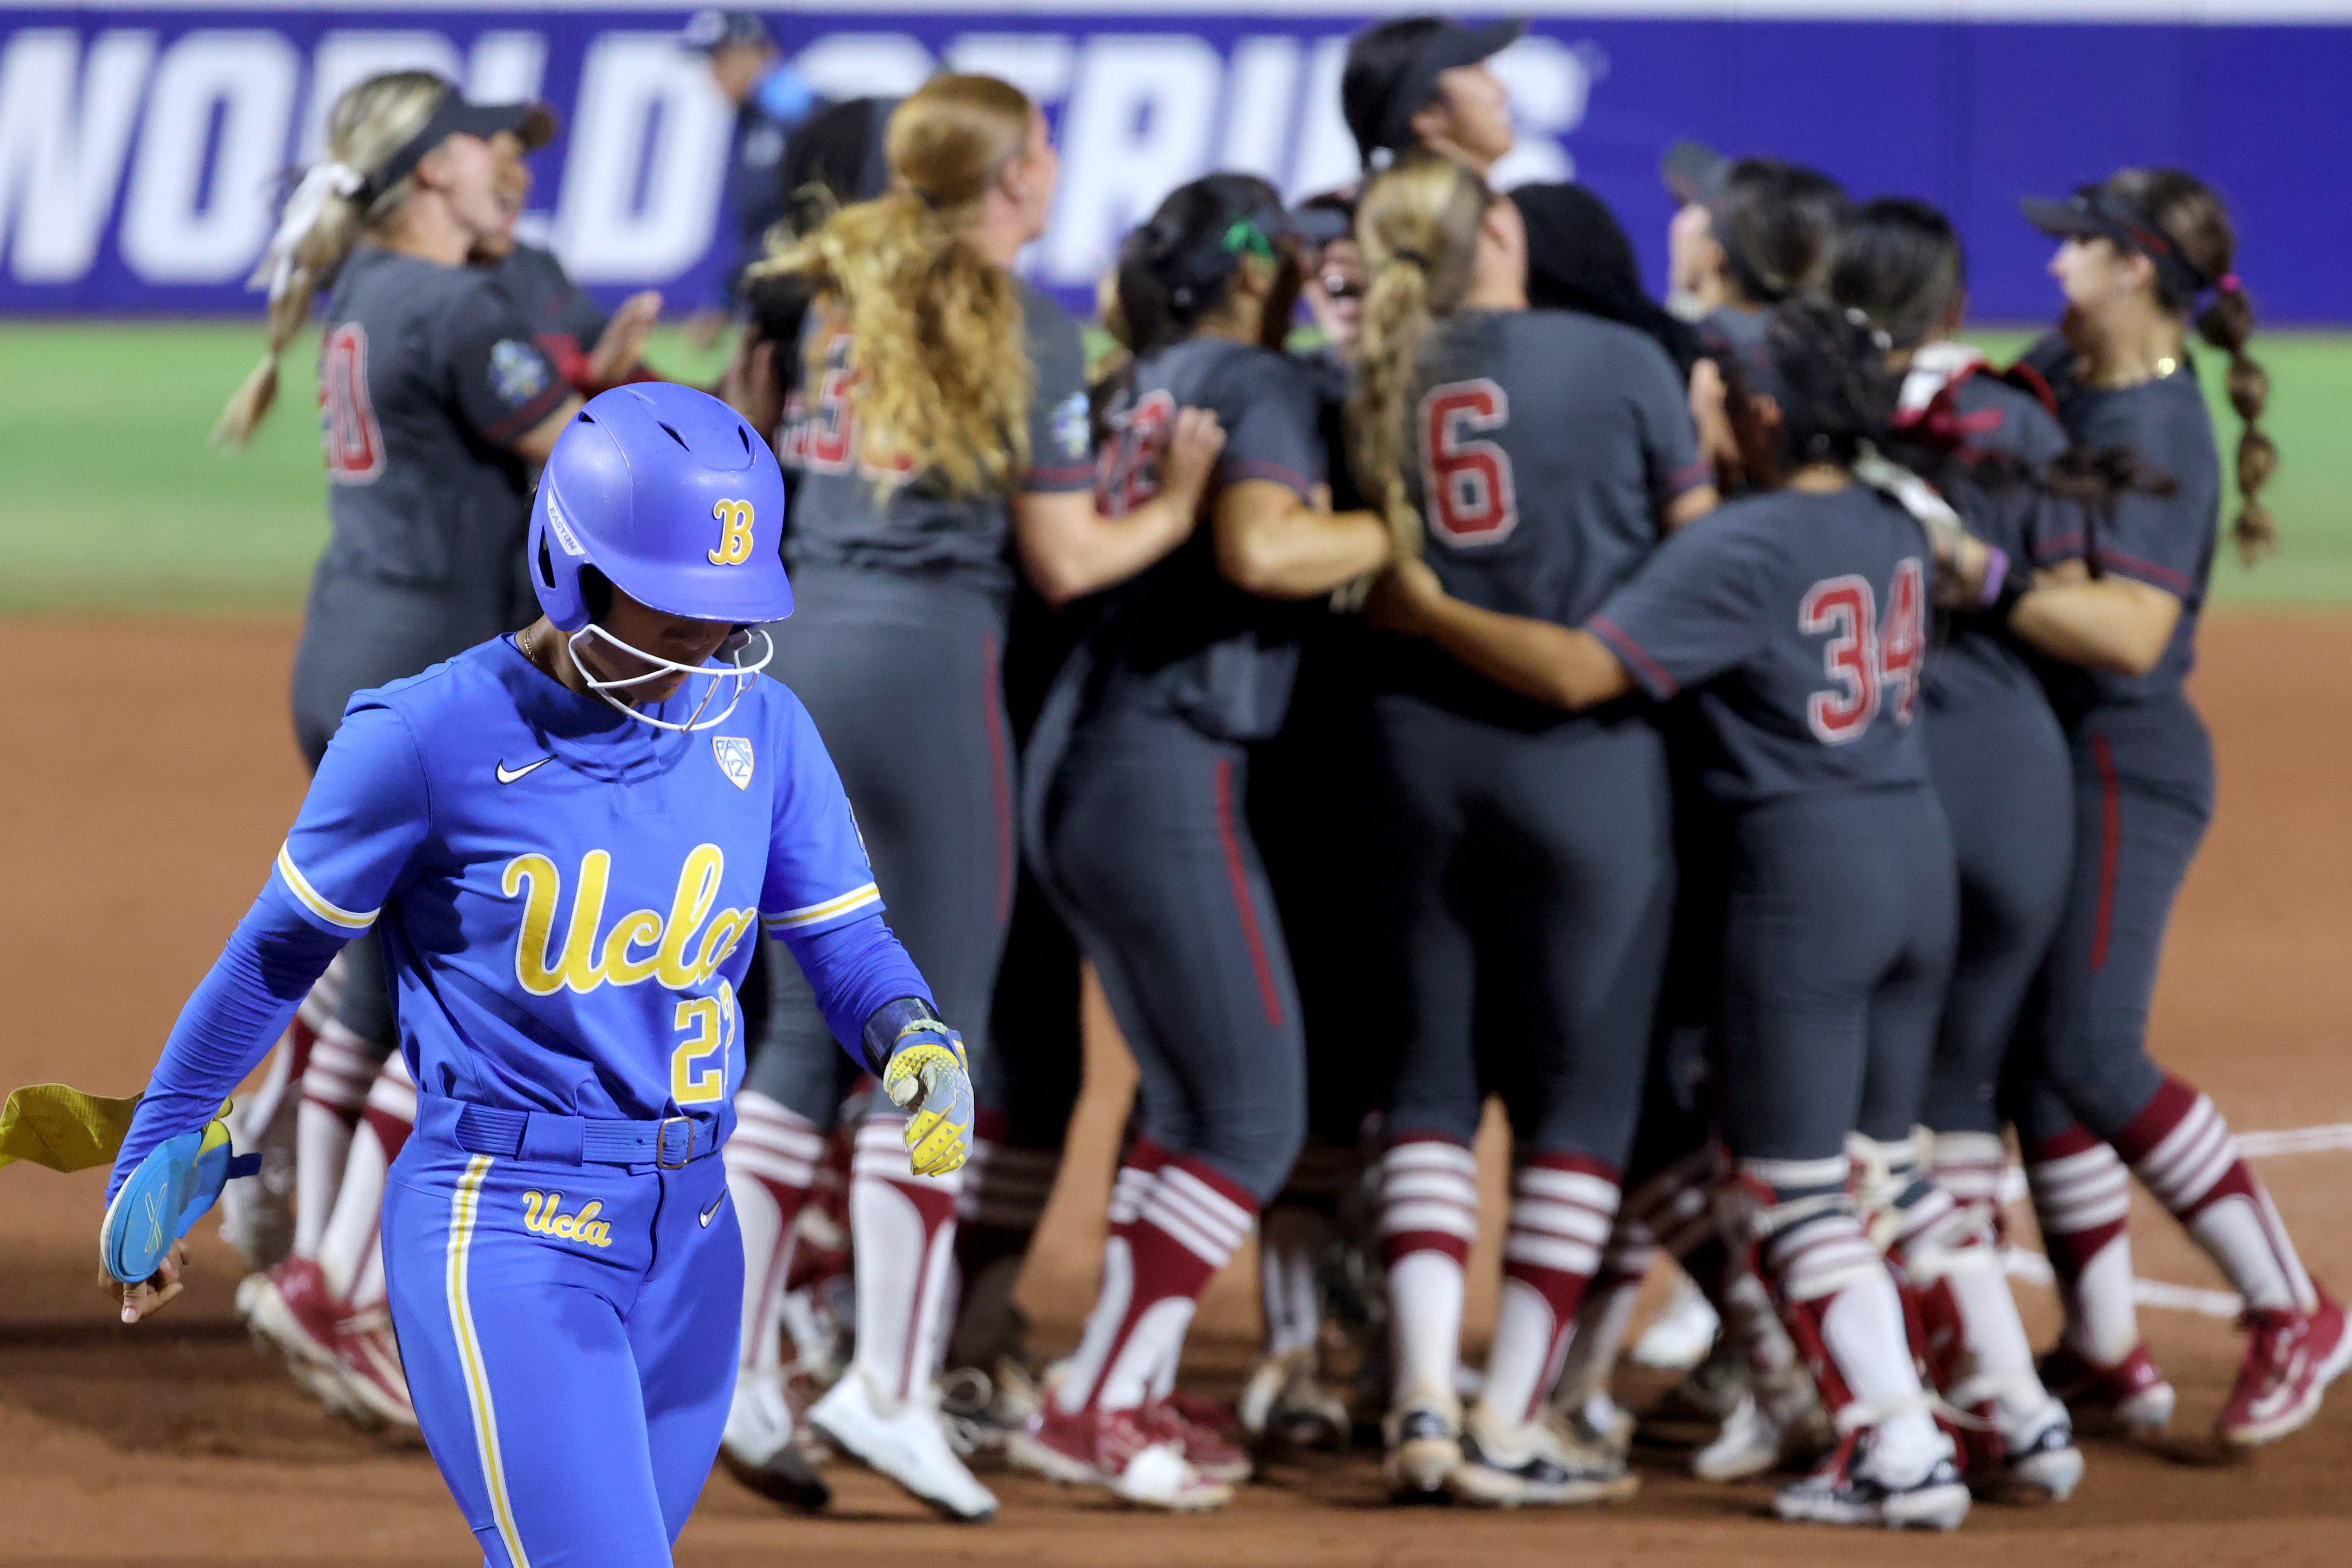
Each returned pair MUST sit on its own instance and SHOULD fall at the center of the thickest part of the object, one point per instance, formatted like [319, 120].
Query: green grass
[110, 500]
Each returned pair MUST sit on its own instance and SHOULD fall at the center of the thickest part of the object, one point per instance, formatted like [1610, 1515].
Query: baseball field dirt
[148, 774]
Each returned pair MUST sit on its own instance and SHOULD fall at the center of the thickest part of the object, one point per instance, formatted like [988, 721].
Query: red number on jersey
[827, 436]
[354, 441]
[1467, 480]
[1846, 609]
[1126, 473]
[1902, 642]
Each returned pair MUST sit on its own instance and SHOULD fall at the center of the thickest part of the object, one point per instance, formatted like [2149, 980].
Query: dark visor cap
[1696, 172]
[2097, 213]
[534, 123]
[1452, 45]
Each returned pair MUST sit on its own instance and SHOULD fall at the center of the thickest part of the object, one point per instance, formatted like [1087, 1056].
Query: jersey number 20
[354, 441]
[1873, 664]
[1467, 480]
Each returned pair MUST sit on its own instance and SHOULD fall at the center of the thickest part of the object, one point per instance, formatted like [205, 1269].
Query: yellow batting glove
[928, 1078]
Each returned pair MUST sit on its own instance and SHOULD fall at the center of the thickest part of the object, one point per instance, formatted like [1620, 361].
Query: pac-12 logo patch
[734, 755]
[517, 371]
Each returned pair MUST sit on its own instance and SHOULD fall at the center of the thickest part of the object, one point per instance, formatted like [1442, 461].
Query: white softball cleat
[907, 1444]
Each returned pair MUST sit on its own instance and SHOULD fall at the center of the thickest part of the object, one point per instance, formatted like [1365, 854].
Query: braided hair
[2189, 213]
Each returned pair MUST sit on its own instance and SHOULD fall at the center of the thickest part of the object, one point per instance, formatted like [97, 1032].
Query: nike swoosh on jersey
[706, 1214]
[509, 775]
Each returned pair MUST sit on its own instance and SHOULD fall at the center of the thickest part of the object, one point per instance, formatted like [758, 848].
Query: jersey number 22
[1873, 664]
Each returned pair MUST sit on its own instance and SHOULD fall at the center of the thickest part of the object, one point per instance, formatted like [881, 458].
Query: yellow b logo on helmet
[734, 533]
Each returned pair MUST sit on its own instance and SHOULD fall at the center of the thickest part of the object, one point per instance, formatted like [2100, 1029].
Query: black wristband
[883, 1025]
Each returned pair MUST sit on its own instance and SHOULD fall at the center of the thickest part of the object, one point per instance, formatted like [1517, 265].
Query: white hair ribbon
[324, 179]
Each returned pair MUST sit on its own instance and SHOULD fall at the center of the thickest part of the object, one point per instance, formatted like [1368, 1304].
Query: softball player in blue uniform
[1533, 458]
[938, 428]
[1798, 616]
[1134, 807]
[2140, 253]
[434, 404]
[1999, 762]
[566, 838]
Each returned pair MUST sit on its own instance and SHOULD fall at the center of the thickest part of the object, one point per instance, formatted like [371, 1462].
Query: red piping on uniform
[1240, 875]
[1000, 772]
[2111, 810]
[2159, 576]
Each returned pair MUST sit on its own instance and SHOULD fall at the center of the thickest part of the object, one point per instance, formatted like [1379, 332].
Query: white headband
[325, 178]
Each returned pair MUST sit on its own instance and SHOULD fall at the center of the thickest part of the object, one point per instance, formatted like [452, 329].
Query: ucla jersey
[567, 898]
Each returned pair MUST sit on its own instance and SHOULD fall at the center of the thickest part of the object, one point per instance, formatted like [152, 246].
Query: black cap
[1230, 215]
[2095, 212]
[708, 32]
[1696, 172]
[1392, 70]
[534, 122]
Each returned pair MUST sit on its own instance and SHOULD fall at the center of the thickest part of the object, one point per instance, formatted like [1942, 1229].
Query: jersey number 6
[1870, 663]
[734, 533]
[1467, 480]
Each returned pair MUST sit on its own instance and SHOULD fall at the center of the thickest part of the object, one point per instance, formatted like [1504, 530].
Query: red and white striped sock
[1949, 1253]
[1606, 1312]
[770, 1168]
[335, 1083]
[1562, 1207]
[1839, 1301]
[1005, 1190]
[388, 1118]
[902, 1247]
[1428, 1215]
[1186, 1226]
[2181, 1149]
[2081, 1199]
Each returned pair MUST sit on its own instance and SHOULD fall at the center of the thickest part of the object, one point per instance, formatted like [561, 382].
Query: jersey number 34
[1874, 665]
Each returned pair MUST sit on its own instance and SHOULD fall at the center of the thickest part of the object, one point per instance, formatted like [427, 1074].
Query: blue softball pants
[569, 1331]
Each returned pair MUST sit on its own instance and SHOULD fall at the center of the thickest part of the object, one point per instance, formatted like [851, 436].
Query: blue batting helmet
[669, 493]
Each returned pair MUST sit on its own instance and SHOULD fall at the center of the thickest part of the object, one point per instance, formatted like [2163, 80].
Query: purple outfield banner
[142, 147]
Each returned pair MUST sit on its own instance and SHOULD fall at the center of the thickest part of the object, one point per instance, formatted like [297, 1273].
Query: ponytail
[2228, 323]
[2190, 214]
[1418, 227]
[941, 378]
[324, 218]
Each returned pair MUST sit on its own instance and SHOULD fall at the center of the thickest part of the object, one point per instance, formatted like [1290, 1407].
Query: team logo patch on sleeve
[734, 755]
[518, 373]
[1070, 425]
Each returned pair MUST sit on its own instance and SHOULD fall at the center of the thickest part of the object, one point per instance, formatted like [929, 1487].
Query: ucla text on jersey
[566, 895]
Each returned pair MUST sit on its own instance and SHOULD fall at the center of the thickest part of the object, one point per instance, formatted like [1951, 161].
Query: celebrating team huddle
[1746, 739]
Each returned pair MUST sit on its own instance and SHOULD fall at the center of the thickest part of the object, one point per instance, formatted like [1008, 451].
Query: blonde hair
[941, 377]
[369, 123]
[1418, 227]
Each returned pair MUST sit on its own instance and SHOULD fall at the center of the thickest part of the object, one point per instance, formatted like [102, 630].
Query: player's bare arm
[1271, 541]
[1560, 665]
[1070, 549]
[2105, 623]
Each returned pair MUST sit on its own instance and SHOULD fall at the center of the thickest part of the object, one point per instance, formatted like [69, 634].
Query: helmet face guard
[715, 679]
[669, 495]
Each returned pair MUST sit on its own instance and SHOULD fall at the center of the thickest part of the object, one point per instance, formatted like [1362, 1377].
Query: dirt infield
[149, 774]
